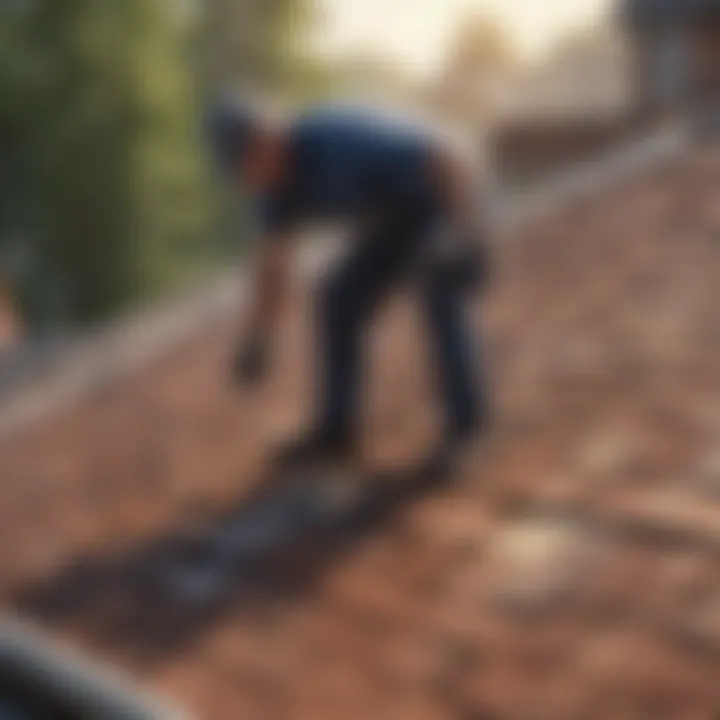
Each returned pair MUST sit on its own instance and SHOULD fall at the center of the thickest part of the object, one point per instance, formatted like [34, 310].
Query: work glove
[250, 362]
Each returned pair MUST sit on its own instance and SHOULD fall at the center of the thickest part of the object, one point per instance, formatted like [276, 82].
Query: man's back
[345, 161]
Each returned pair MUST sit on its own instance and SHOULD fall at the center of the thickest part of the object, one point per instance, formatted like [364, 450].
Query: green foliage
[256, 42]
[103, 180]
[101, 117]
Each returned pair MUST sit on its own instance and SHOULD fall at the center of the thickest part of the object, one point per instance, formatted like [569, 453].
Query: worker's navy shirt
[345, 163]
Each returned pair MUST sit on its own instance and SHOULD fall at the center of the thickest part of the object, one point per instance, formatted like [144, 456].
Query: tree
[102, 176]
[258, 42]
[102, 128]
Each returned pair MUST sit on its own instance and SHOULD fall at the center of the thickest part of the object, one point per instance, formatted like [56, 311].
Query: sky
[416, 32]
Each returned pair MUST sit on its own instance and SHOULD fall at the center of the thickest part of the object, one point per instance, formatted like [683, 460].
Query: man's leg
[346, 303]
[344, 306]
[457, 358]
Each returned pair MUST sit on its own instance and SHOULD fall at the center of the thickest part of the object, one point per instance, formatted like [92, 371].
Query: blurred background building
[675, 51]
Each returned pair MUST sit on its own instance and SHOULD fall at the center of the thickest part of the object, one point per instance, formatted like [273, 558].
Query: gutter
[61, 685]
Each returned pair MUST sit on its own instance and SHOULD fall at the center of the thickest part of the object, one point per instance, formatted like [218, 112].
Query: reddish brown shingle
[603, 345]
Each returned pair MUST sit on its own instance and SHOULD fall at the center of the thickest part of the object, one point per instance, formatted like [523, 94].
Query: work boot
[446, 458]
[319, 447]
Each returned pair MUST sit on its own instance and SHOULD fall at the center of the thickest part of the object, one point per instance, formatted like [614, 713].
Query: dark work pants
[381, 258]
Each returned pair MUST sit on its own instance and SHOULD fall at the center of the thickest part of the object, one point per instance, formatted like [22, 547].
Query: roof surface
[572, 572]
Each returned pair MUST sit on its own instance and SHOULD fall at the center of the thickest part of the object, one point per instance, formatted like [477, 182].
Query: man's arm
[272, 269]
[268, 294]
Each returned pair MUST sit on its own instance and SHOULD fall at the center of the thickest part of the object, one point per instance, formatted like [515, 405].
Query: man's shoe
[317, 448]
[446, 458]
